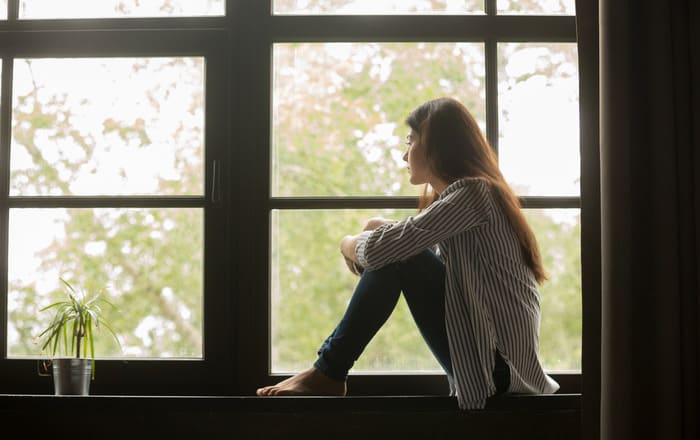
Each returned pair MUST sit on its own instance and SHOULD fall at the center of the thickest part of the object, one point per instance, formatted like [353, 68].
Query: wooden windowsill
[366, 417]
[255, 404]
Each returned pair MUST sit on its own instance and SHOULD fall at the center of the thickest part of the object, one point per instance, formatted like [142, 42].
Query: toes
[265, 391]
[271, 391]
[274, 391]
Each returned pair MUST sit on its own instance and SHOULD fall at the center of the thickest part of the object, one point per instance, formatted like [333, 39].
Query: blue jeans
[421, 278]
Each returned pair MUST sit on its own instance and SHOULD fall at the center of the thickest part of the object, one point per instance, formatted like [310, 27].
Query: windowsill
[214, 417]
[522, 402]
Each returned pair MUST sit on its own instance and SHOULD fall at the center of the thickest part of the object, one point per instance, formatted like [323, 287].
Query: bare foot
[307, 383]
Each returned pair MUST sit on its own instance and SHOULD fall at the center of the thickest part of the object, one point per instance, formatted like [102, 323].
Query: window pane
[3, 9]
[108, 126]
[558, 233]
[352, 7]
[338, 111]
[118, 8]
[311, 286]
[149, 261]
[539, 118]
[543, 7]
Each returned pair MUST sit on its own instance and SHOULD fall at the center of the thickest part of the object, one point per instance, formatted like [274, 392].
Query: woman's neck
[438, 185]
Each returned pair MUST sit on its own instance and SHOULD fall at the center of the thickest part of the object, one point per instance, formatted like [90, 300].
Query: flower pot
[71, 376]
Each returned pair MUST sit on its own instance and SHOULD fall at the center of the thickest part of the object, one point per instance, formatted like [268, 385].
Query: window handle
[215, 182]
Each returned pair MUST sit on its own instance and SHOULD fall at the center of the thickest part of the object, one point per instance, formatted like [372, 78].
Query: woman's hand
[347, 248]
[353, 267]
[349, 242]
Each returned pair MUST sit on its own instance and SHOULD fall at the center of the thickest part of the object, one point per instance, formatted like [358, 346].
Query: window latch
[215, 182]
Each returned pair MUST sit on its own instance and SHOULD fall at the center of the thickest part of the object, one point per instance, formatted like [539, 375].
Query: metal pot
[71, 376]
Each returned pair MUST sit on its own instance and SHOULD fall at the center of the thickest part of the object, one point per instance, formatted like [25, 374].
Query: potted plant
[71, 333]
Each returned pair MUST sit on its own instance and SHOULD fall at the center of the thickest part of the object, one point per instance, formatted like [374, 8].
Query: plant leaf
[56, 304]
[107, 326]
[74, 336]
[67, 284]
[88, 337]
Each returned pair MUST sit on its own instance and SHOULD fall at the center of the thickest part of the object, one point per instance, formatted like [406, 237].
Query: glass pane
[119, 8]
[539, 118]
[108, 126]
[339, 110]
[357, 7]
[542, 7]
[558, 233]
[311, 287]
[148, 261]
[3, 9]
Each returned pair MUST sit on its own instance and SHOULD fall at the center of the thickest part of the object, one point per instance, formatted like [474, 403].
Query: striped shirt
[491, 297]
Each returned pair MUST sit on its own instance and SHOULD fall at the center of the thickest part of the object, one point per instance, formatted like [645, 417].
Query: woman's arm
[349, 242]
[467, 206]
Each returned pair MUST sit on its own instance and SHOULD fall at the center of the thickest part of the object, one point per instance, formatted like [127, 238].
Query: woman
[468, 266]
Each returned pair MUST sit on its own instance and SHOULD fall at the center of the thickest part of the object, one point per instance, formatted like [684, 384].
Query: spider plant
[72, 328]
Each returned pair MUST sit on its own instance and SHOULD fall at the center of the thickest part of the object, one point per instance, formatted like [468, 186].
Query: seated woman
[468, 266]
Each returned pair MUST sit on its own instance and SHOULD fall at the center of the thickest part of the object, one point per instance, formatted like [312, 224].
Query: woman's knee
[424, 265]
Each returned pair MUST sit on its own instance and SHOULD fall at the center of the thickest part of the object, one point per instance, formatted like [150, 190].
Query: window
[339, 97]
[543, 7]
[201, 160]
[109, 127]
[112, 148]
[361, 7]
[37, 9]
[538, 148]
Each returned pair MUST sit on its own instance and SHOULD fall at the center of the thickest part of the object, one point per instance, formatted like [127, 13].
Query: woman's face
[418, 169]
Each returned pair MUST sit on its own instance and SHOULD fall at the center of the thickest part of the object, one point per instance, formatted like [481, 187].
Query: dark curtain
[587, 36]
[650, 220]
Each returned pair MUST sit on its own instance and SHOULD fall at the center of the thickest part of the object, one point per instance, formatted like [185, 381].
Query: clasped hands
[349, 242]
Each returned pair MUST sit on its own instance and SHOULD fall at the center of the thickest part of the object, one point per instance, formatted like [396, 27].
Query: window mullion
[491, 7]
[12, 10]
[5, 135]
[106, 202]
[550, 202]
[491, 75]
[5, 126]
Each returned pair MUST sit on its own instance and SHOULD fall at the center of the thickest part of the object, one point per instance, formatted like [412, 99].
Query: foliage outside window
[51, 9]
[378, 7]
[545, 7]
[109, 127]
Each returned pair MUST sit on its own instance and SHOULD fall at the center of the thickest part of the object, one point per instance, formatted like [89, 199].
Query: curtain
[588, 43]
[650, 219]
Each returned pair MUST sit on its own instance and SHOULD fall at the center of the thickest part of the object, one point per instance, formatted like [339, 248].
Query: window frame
[238, 49]
[489, 29]
[104, 38]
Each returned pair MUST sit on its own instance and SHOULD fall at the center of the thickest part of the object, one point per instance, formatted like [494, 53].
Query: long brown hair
[456, 148]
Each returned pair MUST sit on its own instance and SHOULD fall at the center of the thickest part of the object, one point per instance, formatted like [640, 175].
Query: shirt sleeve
[467, 207]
